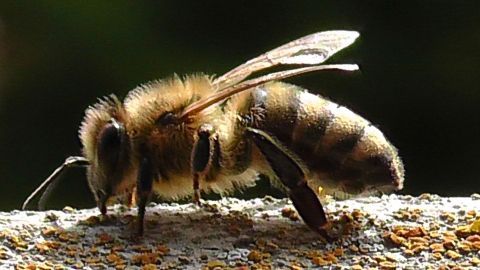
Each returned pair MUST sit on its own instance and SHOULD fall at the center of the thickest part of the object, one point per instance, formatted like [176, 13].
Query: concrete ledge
[391, 232]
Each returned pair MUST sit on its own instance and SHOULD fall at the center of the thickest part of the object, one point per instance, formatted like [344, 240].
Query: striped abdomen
[343, 151]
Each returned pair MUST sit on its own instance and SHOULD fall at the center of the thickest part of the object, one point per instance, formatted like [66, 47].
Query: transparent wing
[308, 50]
[249, 84]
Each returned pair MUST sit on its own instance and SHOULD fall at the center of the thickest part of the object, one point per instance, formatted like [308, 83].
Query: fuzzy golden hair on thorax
[148, 102]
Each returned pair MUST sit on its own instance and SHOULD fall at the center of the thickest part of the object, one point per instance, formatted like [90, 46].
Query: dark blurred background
[419, 81]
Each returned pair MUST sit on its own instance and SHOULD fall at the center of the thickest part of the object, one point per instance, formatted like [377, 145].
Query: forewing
[249, 84]
[308, 50]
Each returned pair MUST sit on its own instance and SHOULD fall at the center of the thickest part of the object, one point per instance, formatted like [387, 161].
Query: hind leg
[292, 176]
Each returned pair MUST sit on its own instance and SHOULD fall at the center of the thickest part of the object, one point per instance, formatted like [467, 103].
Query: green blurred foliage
[419, 79]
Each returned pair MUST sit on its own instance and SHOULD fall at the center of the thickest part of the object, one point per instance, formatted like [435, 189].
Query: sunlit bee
[179, 137]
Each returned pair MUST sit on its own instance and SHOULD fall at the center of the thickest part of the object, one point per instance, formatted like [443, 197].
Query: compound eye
[109, 143]
[166, 119]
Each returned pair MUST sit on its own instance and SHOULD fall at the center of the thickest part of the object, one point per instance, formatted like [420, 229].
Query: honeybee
[179, 137]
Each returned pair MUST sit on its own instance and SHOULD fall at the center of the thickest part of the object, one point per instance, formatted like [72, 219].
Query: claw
[196, 198]
[332, 232]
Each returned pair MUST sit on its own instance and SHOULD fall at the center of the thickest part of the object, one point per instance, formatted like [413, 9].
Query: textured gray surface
[392, 231]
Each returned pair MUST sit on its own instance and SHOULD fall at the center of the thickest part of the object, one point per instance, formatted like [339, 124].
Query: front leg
[201, 156]
[292, 176]
[144, 189]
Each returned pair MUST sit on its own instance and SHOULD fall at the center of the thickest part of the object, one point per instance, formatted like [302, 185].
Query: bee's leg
[292, 176]
[196, 189]
[144, 189]
[201, 155]
[102, 199]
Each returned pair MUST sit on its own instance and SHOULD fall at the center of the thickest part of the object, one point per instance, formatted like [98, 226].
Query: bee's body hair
[331, 143]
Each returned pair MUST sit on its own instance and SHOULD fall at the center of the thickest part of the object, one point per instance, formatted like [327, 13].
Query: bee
[178, 137]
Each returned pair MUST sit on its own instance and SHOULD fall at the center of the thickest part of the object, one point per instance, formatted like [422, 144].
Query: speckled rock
[386, 233]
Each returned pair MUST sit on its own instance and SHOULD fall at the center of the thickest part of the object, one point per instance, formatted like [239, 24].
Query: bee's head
[106, 145]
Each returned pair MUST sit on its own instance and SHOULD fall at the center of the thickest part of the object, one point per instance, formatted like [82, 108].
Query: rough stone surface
[391, 232]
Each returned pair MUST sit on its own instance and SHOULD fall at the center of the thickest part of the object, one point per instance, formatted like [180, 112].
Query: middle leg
[202, 154]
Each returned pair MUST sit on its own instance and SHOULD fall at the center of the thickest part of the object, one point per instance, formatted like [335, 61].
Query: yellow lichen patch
[17, 242]
[295, 266]
[4, 253]
[162, 250]
[72, 261]
[464, 246]
[434, 234]
[417, 248]
[330, 257]
[290, 213]
[473, 241]
[141, 248]
[449, 235]
[114, 258]
[38, 266]
[104, 238]
[90, 221]
[271, 246]
[463, 231]
[448, 217]
[145, 258]
[467, 230]
[419, 240]
[353, 248]
[409, 232]
[257, 256]
[357, 214]
[118, 248]
[437, 247]
[475, 226]
[320, 261]
[415, 239]
[453, 255]
[425, 196]
[321, 258]
[50, 231]
[149, 266]
[92, 250]
[46, 246]
[92, 260]
[408, 214]
[437, 256]
[387, 265]
[379, 258]
[398, 240]
[338, 252]
[216, 265]
[66, 236]
[471, 214]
